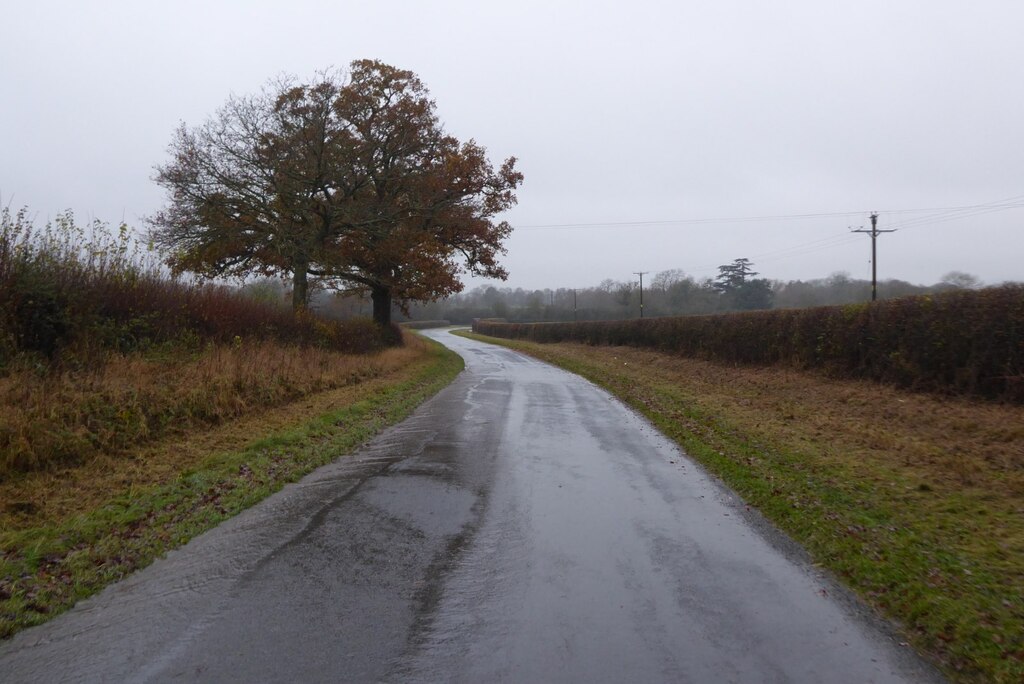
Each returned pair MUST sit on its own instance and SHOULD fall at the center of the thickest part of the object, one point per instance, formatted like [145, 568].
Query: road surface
[521, 526]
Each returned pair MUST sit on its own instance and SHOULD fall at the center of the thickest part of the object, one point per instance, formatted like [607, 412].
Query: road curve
[521, 526]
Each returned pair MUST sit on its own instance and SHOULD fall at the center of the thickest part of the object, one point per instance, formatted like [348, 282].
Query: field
[915, 501]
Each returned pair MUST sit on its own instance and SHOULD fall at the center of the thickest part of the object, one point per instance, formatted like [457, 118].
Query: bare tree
[255, 189]
[961, 280]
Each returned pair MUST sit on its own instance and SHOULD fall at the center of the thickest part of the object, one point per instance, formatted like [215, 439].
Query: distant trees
[961, 280]
[733, 276]
[351, 181]
[664, 281]
[672, 293]
[736, 282]
[754, 294]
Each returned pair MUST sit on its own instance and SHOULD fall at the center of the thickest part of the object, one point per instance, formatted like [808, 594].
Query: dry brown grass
[53, 420]
[53, 496]
[68, 531]
[941, 442]
[956, 463]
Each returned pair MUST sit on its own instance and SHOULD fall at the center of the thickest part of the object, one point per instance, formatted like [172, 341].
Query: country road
[521, 526]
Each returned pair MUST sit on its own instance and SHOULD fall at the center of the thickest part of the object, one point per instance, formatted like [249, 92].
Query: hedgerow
[67, 293]
[964, 342]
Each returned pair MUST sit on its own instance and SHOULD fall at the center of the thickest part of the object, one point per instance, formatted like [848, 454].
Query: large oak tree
[255, 189]
[426, 202]
[354, 181]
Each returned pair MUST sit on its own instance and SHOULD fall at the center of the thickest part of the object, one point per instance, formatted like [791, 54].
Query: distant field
[915, 501]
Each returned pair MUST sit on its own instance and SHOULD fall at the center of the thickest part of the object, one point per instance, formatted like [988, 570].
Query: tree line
[668, 293]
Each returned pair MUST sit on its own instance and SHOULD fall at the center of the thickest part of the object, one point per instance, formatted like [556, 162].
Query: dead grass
[916, 501]
[945, 444]
[53, 420]
[55, 495]
[67, 532]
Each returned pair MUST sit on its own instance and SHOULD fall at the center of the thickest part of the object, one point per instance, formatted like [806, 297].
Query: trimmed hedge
[965, 342]
[424, 325]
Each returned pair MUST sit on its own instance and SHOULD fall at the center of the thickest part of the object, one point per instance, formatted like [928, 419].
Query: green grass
[45, 570]
[944, 560]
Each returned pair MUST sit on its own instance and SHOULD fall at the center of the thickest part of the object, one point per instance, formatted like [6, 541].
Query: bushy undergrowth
[67, 418]
[68, 294]
[965, 342]
[100, 350]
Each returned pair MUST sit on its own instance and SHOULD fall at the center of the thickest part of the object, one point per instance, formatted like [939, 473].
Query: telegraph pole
[874, 233]
[641, 274]
[574, 304]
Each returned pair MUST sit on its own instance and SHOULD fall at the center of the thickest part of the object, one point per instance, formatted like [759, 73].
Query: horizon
[651, 136]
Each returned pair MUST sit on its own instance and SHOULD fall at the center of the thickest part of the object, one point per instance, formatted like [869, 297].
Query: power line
[933, 216]
[963, 212]
[690, 221]
[936, 215]
[939, 213]
[805, 248]
[831, 242]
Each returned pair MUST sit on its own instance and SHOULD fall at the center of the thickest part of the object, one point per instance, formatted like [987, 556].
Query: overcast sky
[646, 117]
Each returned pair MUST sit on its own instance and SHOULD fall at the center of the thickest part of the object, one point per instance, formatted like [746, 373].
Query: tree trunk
[381, 297]
[300, 287]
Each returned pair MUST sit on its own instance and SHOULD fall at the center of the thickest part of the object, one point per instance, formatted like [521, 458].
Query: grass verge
[58, 418]
[81, 537]
[914, 501]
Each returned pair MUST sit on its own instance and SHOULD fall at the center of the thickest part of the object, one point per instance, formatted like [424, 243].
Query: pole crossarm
[874, 233]
[641, 274]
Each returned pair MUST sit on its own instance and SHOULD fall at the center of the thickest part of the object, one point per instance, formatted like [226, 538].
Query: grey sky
[620, 112]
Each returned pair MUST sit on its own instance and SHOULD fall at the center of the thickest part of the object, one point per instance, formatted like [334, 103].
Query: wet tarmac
[521, 526]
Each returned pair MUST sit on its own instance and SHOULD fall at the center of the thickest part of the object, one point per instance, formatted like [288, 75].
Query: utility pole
[641, 274]
[574, 304]
[874, 233]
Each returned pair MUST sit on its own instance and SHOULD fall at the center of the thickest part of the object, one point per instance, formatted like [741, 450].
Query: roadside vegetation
[69, 532]
[966, 342]
[137, 410]
[913, 500]
[101, 351]
[109, 368]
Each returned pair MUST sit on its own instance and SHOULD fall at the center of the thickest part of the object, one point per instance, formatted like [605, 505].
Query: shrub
[67, 293]
[967, 341]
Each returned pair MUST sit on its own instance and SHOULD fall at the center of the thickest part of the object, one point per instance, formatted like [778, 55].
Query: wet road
[521, 526]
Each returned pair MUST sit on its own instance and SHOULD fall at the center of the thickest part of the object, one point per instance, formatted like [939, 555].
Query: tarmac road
[521, 526]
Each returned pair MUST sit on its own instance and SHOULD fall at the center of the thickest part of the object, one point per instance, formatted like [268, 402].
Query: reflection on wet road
[522, 526]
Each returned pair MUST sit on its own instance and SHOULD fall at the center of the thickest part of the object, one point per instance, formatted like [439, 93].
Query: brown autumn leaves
[350, 180]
